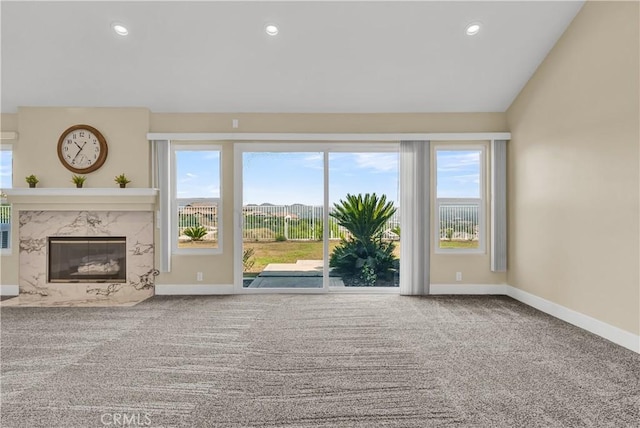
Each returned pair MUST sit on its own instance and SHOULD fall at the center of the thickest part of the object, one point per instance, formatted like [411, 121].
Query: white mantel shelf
[74, 199]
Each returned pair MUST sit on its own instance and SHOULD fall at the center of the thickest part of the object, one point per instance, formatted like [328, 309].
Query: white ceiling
[328, 57]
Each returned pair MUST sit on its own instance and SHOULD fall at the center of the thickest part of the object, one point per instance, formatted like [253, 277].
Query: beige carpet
[311, 361]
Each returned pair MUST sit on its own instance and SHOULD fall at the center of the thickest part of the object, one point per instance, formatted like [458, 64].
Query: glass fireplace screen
[87, 259]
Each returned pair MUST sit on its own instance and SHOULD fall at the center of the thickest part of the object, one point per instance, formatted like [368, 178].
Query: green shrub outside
[363, 253]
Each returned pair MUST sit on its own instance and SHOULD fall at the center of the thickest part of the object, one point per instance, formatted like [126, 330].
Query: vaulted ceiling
[349, 56]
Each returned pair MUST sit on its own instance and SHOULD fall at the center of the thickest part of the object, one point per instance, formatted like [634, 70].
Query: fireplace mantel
[74, 199]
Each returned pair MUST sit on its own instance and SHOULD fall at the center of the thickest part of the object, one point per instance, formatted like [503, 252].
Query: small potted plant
[78, 180]
[32, 180]
[122, 180]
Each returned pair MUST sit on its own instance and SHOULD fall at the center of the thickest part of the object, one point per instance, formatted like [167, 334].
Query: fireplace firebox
[87, 259]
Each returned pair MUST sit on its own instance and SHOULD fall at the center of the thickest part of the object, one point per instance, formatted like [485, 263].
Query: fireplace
[87, 259]
[45, 277]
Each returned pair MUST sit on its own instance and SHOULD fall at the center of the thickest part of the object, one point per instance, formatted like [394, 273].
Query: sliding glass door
[316, 217]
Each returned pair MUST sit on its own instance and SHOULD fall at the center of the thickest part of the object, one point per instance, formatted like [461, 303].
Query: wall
[336, 123]
[125, 130]
[8, 122]
[574, 170]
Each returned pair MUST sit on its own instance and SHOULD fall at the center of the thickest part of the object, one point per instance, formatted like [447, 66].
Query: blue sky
[458, 173]
[288, 178]
[197, 174]
[298, 177]
[5, 169]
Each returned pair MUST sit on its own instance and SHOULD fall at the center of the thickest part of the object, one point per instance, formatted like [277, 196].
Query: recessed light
[271, 30]
[120, 29]
[472, 29]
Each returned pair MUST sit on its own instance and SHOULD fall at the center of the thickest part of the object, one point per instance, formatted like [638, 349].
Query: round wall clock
[82, 149]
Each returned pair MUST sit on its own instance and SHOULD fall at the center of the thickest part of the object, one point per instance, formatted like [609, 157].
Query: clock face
[82, 149]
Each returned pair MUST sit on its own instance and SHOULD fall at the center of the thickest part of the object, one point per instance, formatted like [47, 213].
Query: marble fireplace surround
[84, 212]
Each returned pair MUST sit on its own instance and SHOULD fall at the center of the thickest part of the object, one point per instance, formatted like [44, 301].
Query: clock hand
[77, 145]
[74, 158]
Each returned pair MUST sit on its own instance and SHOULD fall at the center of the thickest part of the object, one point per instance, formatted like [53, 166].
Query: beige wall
[336, 123]
[574, 170]
[125, 130]
[8, 122]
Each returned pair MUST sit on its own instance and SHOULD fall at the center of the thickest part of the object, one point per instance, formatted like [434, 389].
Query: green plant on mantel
[78, 180]
[122, 180]
[31, 180]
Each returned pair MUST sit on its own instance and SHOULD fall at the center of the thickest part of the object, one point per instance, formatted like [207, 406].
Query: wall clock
[82, 149]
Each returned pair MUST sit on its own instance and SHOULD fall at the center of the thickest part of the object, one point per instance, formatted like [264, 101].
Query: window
[460, 203]
[196, 202]
[6, 182]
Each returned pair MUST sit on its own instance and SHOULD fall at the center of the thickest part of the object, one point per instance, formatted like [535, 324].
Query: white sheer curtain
[415, 215]
[162, 181]
[499, 205]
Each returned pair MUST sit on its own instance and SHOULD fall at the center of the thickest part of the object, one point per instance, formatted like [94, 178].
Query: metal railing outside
[5, 226]
[296, 223]
[459, 220]
[199, 213]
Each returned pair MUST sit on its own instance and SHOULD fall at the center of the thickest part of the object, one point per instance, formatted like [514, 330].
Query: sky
[285, 178]
[458, 173]
[288, 178]
[197, 174]
[5, 169]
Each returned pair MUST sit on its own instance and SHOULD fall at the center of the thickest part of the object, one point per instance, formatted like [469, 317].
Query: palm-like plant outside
[195, 233]
[364, 217]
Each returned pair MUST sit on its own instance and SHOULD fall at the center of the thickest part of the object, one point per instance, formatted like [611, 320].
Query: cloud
[379, 162]
[314, 157]
[314, 161]
[450, 161]
[186, 179]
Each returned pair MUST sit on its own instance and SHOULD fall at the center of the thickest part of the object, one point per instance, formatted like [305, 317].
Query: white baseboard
[192, 289]
[467, 289]
[9, 290]
[614, 334]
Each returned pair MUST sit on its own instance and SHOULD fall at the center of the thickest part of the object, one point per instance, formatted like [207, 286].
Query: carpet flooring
[311, 361]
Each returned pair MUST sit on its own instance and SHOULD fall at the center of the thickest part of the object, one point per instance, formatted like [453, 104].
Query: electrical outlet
[458, 276]
[199, 276]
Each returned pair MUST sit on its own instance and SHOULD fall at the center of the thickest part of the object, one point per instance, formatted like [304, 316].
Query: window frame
[176, 147]
[8, 147]
[481, 201]
[317, 145]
